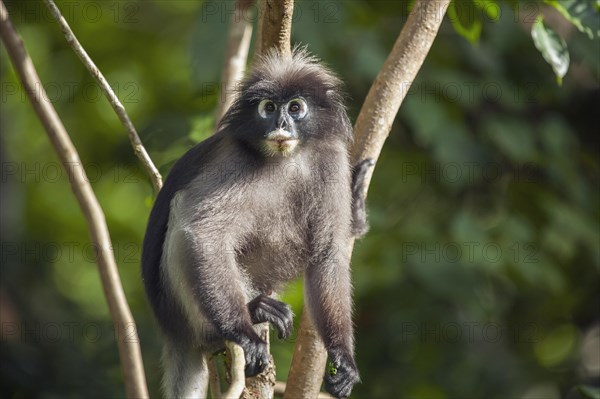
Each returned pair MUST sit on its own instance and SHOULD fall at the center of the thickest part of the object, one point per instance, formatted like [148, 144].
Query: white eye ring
[297, 108]
[266, 107]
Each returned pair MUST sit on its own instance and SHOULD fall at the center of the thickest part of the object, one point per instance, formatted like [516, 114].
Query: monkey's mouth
[281, 142]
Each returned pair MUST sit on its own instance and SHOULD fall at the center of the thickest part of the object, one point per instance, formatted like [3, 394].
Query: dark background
[479, 276]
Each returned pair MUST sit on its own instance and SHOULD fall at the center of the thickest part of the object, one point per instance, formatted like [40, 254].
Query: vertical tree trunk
[370, 131]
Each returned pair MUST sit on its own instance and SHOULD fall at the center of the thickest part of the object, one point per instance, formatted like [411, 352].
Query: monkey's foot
[341, 375]
[266, 309]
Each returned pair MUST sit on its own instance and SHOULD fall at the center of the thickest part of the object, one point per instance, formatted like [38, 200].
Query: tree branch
[238, 363]
[129, 350]
[213, 375]
[372, 127]
[114, 101]
[238, 44]
[308, 362]
[274, 26]
[379, 110]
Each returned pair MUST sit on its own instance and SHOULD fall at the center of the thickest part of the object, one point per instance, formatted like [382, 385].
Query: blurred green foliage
[480, 275]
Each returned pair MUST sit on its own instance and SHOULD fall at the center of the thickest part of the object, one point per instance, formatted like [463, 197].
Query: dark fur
[232, 224]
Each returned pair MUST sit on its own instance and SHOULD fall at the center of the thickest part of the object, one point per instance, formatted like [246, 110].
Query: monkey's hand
[266, 309]
[341, 373]
[255, 352]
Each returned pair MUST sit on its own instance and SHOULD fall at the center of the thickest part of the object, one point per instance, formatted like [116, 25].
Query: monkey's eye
[297, 108]
[266, 107]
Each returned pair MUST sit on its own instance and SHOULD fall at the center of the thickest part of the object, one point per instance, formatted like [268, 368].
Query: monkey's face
[289, 105]
[280, 120]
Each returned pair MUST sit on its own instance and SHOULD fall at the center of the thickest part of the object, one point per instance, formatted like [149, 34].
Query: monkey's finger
[257, 358]
[254, 366]
[280, 316]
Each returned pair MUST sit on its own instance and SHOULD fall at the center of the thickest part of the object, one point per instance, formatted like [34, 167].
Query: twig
[274, 26]
[370, 131]
[237, 371]
[238, 44]
[129, 350]
[136, 143]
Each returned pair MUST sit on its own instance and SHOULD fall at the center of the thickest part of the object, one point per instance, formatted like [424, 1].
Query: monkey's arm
[328, 295]
[359, 211]
[211, 270]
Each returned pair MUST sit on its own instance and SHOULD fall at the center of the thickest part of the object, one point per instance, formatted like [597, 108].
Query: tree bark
[274, 26]
[308, 362]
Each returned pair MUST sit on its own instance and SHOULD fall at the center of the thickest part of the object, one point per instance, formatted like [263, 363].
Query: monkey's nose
[282, 123]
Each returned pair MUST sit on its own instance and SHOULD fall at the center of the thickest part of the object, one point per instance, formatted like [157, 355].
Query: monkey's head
[288, 104]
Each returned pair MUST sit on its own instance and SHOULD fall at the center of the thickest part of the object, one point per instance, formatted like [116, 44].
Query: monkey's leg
[266, 309]
[359, 211]
[328, 293]
[185, 372]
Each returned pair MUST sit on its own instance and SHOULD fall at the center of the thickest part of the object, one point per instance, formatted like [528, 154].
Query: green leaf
[490, 8]
[464, 20]
[552, 46]
[584, 14]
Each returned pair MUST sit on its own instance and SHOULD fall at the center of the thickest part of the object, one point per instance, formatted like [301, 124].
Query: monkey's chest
[274, 252]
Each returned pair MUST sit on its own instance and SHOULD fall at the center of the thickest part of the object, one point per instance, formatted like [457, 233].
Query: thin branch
[238, 44]
[372, 127]
[129, 350]
[114, 101]
[238, 363]
[274, 26]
